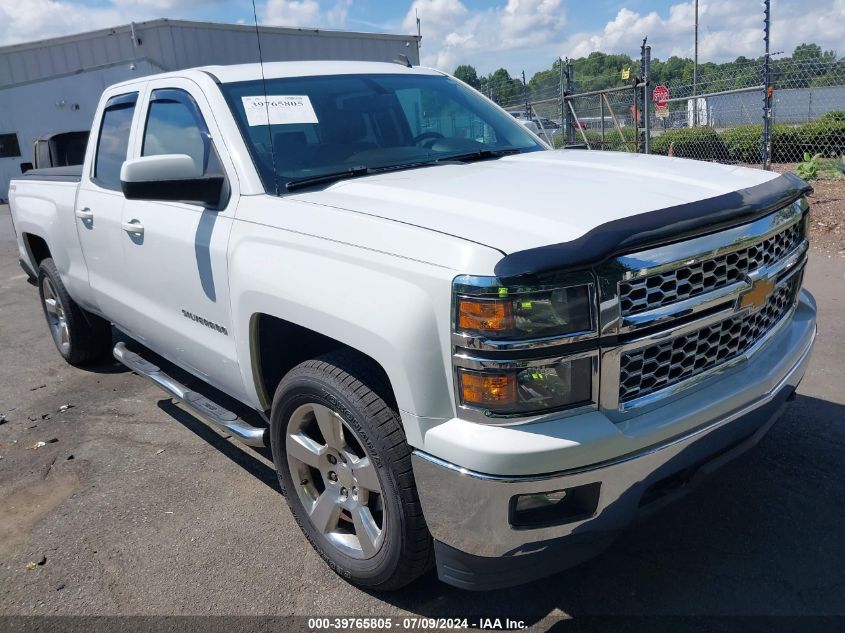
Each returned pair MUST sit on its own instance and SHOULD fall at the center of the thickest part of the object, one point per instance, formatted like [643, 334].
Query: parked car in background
[547, 124]
[483, 355]
[530, 125]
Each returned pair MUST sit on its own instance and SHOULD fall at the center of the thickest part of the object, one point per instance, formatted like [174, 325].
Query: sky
[515, 34]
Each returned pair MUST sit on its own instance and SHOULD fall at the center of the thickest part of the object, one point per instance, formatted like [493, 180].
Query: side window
[175, 126]
[114, 140]
[9, 147]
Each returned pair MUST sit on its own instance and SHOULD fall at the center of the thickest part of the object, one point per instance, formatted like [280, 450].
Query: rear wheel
[79, 336]
[342, 459]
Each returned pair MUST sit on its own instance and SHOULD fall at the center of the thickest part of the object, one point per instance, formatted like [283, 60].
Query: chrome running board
[197, 403]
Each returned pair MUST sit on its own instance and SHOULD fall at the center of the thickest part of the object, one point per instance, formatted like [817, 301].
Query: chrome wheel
[56, 317]
[336, 481]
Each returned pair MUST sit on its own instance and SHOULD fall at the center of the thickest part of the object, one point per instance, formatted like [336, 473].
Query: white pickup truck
[463, 348]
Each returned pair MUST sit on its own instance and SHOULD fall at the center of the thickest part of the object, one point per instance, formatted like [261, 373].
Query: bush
[702, 143]
[825, 137]
[612, 141]
[743, 143]
[837, 116]
[740, 144]
[787, 146]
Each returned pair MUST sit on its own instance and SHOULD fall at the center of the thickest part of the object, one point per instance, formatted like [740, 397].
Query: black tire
[87, 337]
[350, 386]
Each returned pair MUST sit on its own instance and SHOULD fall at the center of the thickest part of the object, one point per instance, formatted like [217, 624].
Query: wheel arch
[37, 249]
[267, 333]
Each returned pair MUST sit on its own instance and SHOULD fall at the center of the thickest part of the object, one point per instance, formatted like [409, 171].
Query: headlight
[513, 356]
[525, 314]
[564, 383]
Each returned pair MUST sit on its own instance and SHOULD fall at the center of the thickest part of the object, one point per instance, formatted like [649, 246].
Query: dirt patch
[22, 508]
[827, 203]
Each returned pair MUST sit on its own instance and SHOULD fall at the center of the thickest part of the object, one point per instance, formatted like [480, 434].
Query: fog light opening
[554, 507]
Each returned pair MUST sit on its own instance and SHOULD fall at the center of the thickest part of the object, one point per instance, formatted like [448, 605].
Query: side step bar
[199, 404]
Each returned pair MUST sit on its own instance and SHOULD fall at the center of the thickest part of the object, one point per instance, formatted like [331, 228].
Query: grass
[829, 169]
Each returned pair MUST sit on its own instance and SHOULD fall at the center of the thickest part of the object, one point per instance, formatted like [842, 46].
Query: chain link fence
[721, 118]
[718, 117]
[700, 118]
[808, 110]
[606, 120]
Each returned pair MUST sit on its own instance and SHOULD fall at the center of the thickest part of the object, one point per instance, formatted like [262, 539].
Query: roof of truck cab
[277, 70]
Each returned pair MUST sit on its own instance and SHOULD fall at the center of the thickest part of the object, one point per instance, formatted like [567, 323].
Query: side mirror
[171, 177]
[25, 167]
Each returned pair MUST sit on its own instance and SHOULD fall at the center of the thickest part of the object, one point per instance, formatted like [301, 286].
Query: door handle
[85, 214]
[133, 226]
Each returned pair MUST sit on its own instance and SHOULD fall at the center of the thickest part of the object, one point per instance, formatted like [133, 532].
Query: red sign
[660, 94]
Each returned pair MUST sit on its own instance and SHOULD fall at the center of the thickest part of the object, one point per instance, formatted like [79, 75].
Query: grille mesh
[655, 291]
[652, 368]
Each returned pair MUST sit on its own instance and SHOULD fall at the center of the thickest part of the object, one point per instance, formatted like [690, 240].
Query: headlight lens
[525, 315]
[523, 350]
[560, 384]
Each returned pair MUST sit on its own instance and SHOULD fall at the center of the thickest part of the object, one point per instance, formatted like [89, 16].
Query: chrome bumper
[469, 511]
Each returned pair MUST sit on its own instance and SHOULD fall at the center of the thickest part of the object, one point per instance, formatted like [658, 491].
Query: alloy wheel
[56, 317]
[336, 481]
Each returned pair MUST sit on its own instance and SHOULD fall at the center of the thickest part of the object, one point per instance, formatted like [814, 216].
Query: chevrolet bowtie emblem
[758, 295]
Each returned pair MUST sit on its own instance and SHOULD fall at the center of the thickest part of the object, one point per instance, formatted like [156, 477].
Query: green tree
[809, 65]
[812, 52]
[468, 75]
[545, 84]
[502, 88]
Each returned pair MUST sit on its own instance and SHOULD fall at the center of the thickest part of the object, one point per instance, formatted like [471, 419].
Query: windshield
[319, 126]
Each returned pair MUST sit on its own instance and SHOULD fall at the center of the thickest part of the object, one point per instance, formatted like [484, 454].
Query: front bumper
[469, 513]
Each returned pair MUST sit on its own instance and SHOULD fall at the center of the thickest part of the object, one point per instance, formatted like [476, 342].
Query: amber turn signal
[488, 390]
[485, 316]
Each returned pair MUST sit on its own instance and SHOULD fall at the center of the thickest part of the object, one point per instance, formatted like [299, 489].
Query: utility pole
[766, 145]
[570, 88]
[419, 31]
[525, 95]
[646, 72]
[695, 73]
[562, 90]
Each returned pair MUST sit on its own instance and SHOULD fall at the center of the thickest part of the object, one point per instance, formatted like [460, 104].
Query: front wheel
[343, 462]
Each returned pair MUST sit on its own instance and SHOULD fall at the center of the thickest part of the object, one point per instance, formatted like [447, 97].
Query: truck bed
[43, 202]
[71, 173]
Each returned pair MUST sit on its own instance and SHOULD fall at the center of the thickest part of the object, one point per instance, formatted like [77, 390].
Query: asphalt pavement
[134, 507]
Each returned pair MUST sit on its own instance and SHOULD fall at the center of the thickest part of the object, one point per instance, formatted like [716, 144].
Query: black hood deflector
[655, 227]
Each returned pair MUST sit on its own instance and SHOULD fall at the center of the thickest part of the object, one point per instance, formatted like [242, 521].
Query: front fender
[366, 282]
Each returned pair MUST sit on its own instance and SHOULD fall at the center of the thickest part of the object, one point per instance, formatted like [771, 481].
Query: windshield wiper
[352, 172]
[480, 154]
[361, 170]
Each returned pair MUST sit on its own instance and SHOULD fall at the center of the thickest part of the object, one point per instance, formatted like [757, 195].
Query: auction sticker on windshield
[279, 110]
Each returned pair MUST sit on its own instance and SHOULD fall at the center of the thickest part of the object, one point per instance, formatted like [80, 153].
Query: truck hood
[530, 200]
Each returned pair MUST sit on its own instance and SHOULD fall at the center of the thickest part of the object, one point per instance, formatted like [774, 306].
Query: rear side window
[113, 143]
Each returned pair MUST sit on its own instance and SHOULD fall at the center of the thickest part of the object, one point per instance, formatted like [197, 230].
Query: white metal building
[53, 85]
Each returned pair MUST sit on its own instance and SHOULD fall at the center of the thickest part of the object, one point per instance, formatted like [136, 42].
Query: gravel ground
[827, 222]
[133, 507]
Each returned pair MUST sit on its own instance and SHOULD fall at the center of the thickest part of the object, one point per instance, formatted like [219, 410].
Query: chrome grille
[649, 369]
[661, 289]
